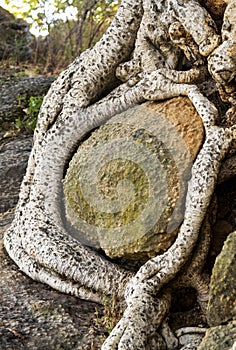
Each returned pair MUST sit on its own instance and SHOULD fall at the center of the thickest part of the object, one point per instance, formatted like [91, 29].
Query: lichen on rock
[222, 303]
[140, 158]
[220, 337]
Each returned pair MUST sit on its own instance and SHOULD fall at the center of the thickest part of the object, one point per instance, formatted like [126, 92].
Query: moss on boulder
[219, 338]
[125, 187]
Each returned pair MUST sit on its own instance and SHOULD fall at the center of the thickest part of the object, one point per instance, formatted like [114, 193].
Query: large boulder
[221, 312]
[125, 187]
[15, 38]
[222, 302]
[220, 338]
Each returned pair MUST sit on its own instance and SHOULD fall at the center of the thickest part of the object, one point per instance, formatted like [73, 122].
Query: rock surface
[15, 38]
[15, 92]
[222, 303]
[14, 154]
[220, 338]
[137, 165]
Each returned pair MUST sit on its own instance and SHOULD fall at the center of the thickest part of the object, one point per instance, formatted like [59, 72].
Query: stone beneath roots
[220, 337]
[125, 186]
[222, 302]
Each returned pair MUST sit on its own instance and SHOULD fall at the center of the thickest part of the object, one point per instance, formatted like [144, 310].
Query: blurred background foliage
[62, 29]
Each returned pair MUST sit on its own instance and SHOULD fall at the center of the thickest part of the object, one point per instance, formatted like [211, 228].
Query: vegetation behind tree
[71, 26]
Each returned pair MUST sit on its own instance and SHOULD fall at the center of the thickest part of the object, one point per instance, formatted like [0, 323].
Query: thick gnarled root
[138, 327]
[61, 260]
